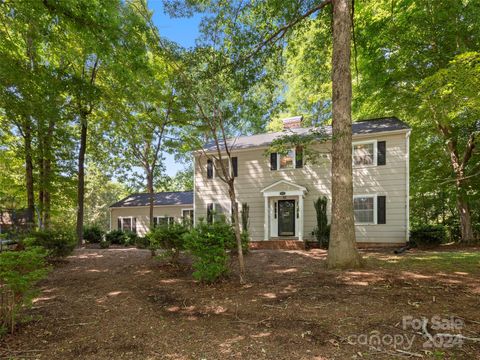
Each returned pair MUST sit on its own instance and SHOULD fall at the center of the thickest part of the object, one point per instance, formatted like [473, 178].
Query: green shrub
[322, 231]
[59, 243]
[19, 271]
[142, 242]
[245, 241]
[130, 238]
[104, 244]
[208, 243]
[116, 237]
[168, 238]
[93, 234]
[428, 235]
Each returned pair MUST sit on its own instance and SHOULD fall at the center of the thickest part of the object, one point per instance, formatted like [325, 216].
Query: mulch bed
[123, 304]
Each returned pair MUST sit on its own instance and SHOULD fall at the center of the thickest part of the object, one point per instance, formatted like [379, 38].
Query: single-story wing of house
[132, 213]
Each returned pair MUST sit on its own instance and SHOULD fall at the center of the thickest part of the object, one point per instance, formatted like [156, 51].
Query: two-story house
[280, 189]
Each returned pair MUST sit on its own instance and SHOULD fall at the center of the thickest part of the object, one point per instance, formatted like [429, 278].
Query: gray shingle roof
[161, 198]
[358, 128]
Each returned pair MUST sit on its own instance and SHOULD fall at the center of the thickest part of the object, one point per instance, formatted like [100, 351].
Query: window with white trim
[218, 171]
[364, 153]
[163, 220]
[287, 161]
[364, 207]
[128, 223]
[187, 216]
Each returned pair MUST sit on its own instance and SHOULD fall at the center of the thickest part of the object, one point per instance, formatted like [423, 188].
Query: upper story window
[287, 161]
[214, 167]
[365, 153]
[218, 170]
[293, 159]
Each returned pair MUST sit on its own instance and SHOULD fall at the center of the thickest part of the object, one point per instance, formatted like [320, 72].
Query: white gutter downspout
[407, 188]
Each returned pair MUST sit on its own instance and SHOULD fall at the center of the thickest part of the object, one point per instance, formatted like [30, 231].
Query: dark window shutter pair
[209, 169]
[273, 161]
[381, 209]
[381, 153]
[209, 213]
[235, 166]
[119, 224]
[134, 225]
[299, 157]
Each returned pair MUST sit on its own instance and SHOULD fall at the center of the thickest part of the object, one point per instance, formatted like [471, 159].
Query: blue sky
[183, 31]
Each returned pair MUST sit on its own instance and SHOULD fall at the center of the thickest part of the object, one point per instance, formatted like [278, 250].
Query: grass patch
[447, 261]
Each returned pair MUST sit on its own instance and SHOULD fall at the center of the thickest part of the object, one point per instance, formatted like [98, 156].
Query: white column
[265, 223]
[300, 220]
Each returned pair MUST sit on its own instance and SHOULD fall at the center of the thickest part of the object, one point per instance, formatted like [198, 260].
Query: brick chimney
[292, 122]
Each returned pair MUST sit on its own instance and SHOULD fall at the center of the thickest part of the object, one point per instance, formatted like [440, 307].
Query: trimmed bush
[208, 243]
[58, 243]
[428, 235]
[93, 234]
[19, 272]
[168, 238]
[116, 237]
[322, 231]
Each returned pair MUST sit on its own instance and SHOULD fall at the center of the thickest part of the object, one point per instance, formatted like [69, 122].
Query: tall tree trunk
[466, 229]
[29, 173]
[41, 173]
[151, 194]
[342, 251]
[81, 178]
[236, 228]
[48, 174]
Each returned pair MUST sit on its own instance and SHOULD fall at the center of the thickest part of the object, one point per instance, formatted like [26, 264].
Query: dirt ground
[124, 304]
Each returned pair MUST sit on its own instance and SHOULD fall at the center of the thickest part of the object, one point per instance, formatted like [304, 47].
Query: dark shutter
[381, 210]
[381, 153]
[134, 225]
[155, 221]
[209, 213]
[119, 224]
[299, 157]
[273, 161]
[235, 166]
[209, 168]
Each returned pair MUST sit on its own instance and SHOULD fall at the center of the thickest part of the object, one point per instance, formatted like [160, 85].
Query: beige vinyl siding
[254, 174]
[142, 215]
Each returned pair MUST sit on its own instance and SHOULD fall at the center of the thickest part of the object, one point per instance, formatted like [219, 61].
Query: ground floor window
[364, 209]
[163, 220]
[127, 224]
[187, 216]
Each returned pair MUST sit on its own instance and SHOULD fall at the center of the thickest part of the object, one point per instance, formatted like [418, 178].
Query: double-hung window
[127, 224]
[370, 209]
[365, 153]
[163, 220]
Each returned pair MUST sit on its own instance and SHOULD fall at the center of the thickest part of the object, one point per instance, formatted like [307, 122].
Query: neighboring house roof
[358, 128]
[160, 199]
